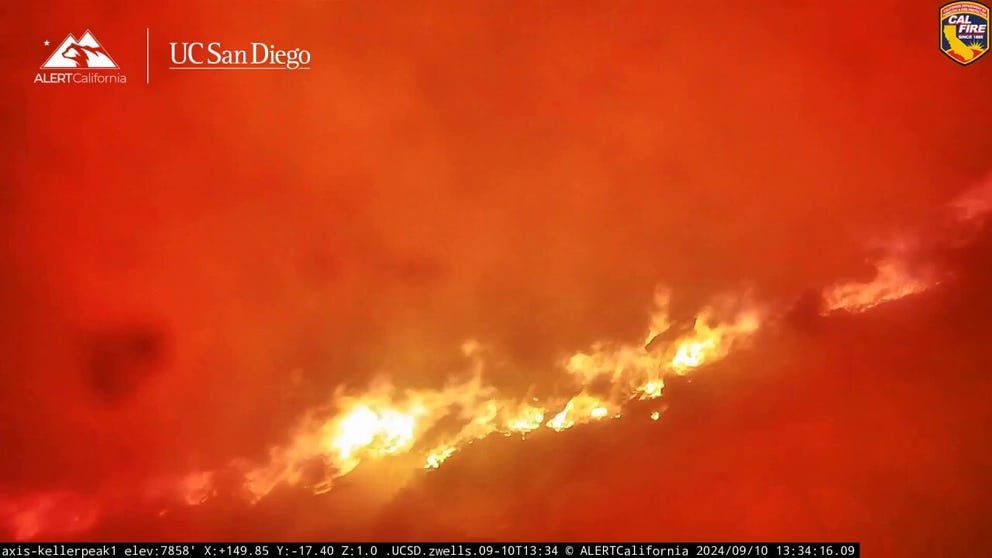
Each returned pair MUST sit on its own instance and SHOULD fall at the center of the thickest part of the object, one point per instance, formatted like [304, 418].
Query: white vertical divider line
[147, 68]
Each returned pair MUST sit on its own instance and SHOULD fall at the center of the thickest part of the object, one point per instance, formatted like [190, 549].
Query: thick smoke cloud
[190, 265]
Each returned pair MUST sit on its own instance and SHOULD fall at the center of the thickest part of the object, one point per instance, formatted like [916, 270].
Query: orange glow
[197, 488]
[892, 281]
[453, 276]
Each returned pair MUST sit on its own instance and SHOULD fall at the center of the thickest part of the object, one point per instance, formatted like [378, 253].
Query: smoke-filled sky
[189, 266]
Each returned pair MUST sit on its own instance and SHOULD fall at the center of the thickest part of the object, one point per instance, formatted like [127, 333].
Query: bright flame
[709, 343]
[382, 422]
[651, 389]
[529, 419]
[605, 377]
[381, 433]
[580, 409]
[438, 456]
[333, 441]
[561, 421]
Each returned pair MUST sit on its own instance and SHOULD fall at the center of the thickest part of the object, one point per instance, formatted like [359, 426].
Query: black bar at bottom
[428, 550]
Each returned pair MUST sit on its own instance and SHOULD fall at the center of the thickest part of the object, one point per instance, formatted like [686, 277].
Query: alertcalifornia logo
[83, 61]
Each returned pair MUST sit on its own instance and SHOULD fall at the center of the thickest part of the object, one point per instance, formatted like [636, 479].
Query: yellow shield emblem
[964, 31]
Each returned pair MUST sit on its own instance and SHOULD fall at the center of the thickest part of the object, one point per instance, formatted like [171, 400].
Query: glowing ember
[655, 415]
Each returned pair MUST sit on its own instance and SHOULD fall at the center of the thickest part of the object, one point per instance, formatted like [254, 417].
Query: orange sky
[523, 173]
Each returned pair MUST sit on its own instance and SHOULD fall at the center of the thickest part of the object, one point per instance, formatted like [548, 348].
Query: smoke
[192, 268]
[379, 423]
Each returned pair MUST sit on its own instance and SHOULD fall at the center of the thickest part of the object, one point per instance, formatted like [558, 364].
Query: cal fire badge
[964, 31]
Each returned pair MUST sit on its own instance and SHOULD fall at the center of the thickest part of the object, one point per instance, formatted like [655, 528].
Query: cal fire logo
[964, 31]
[78, 55]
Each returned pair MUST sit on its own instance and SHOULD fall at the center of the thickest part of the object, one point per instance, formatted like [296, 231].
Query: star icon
[47, 43]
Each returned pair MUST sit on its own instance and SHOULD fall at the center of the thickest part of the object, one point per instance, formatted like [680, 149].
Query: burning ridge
[433, 424]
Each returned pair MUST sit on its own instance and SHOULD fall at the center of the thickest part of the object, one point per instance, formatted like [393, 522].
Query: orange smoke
[433, 424]
[50, 514]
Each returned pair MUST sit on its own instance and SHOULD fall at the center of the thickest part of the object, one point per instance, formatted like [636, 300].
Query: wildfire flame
[893, 280]
[384, 422]
[895, 277]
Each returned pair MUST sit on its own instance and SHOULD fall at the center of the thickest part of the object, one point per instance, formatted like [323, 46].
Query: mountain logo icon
[86, 53]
